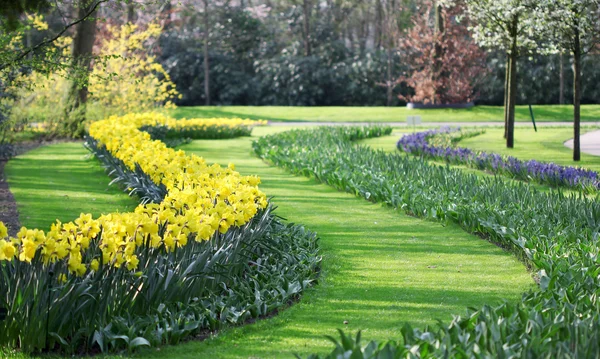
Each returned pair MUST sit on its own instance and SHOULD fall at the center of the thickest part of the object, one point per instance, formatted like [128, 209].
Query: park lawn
[375, 268]
[546, 113]
[60, 182]
[546, 145]
[388, 144]
[381, 268]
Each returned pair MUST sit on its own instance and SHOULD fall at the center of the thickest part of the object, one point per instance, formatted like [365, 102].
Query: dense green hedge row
[555, 234]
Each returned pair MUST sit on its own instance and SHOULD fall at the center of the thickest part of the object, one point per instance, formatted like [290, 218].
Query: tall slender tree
[391, 35]
[561, 78]
[81, 51]
[438, 54]
[575, 26]
[378, 35]
[130, 12]
[508, 25]
[206, 55]
[306, 10]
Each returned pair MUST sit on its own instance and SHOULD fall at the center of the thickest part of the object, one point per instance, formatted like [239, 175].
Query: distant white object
[413, 120]
[589, 143]
[413, 105]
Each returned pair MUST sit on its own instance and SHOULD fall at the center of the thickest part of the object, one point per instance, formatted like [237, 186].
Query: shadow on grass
[381, 269]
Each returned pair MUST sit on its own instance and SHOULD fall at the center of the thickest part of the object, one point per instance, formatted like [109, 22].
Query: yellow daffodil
[94, 265]
[3, 231]
[7, 250]
[201, 200]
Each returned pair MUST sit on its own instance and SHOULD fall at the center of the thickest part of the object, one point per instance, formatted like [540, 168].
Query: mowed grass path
[381, 268]
[547, 113]
[60, 182]
[546, 145]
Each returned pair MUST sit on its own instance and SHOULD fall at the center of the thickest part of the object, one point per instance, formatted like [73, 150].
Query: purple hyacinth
[548, 173]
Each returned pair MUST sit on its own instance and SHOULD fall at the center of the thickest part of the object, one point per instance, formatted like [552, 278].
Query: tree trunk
[512, 95]
[130, 13]
[331, 17]
[306, 23]
[378, 24]
[350, 35]
[439, 21]
[506, 91]
[206, 64]
[29, 43]
[512, 99]
[83, 43]
[390, 95]
[363, 32]
[166, 16]
[576, 95]
[438, 54]
[561, 77]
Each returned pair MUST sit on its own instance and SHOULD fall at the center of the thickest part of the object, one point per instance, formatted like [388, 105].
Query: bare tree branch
[47, 42]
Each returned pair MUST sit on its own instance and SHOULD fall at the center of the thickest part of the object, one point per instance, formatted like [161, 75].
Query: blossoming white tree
[574, 26]
[509, 25]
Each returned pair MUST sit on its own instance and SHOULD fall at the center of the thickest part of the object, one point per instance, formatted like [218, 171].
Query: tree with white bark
[574, 27]
[511, 26]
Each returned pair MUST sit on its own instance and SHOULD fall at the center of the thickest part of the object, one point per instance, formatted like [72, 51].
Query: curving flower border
[545, 173]
[201, 200]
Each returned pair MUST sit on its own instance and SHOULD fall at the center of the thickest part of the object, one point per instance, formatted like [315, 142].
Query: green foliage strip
[555, 234]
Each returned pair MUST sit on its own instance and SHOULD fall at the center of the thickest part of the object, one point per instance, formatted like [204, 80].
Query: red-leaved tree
[445, 63]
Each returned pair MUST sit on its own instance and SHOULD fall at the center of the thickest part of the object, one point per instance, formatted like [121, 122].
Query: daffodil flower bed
[201, 200]
[192, 249]
[197, 128]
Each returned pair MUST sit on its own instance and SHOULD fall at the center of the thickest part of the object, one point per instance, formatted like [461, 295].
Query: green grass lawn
[545, 145]
[548, 113]
[60, 182]
[381, 268]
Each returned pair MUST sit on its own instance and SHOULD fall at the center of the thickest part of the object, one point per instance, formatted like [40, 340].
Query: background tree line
[311, 53]
[303, 52]
[336, 52]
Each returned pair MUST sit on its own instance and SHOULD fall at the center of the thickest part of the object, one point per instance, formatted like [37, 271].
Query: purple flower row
[545, 173]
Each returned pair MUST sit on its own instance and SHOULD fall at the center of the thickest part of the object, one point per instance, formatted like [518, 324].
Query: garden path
[8, 206]
[590, 143]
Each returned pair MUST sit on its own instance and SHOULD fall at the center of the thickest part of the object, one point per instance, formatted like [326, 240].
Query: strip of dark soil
[8, 207]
